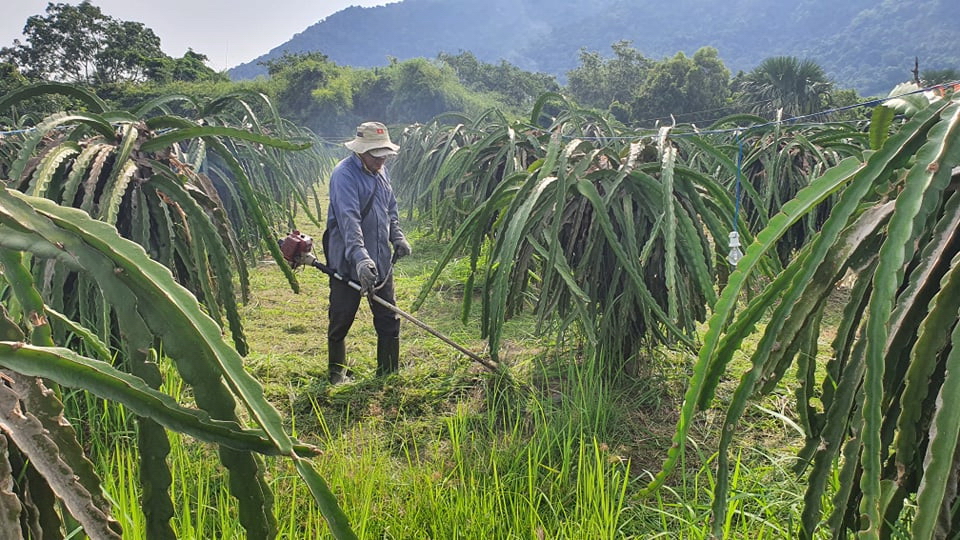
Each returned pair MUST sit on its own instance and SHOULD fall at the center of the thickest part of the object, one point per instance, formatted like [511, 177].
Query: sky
[228, 32]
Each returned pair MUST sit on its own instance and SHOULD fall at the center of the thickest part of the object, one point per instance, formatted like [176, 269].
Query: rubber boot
[338, 362]
[388, 355]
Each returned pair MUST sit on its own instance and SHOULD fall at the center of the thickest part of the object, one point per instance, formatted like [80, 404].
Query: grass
[444, 449]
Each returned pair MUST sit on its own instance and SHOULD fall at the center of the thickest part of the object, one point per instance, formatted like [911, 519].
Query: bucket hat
[373, 137]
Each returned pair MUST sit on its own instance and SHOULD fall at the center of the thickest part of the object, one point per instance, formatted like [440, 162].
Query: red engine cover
[294, 245]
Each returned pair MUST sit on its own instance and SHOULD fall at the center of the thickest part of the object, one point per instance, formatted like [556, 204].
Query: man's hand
[367, 272]
[401, 248]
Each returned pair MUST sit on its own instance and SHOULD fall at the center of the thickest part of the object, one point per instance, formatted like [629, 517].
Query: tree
[585, 83]
[10, 78]
[597, 82]
[61, 46]
[799, 87]
[313, 91]
[422, 90]
[467, 67]
[127, 49]
[191, 67]
[372, 95]
[79, 44]
[691, 89]
[513, 86]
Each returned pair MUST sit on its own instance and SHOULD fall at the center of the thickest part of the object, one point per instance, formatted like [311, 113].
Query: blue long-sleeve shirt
[351, 241]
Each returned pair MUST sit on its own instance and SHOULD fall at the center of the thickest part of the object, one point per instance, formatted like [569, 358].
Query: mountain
[862, 44]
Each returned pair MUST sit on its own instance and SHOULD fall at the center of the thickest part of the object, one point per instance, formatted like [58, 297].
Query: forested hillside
[861, 44]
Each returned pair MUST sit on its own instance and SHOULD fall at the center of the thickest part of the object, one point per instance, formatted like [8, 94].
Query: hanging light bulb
[735, 254]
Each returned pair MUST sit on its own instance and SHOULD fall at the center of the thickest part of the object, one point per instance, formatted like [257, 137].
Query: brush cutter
[297, 250]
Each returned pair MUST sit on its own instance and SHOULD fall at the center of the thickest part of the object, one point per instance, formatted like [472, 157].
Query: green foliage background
[861, 44]
[565, 202]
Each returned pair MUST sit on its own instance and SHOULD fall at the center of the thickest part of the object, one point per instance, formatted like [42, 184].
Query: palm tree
[798, 87]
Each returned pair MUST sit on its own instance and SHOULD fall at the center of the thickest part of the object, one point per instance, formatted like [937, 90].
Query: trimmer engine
[295, 246]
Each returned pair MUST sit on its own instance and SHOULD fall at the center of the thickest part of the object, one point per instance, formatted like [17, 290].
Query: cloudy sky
[229, 32]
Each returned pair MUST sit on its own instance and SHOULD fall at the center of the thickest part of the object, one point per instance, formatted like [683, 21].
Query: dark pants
[344, 302]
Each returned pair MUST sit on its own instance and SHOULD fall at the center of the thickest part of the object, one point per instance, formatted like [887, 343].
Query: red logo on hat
[379, 131]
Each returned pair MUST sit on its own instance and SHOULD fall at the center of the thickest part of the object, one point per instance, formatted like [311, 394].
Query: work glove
[401, 248]
[367, 273]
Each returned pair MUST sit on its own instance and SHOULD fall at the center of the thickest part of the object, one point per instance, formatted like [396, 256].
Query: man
[362, 224]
